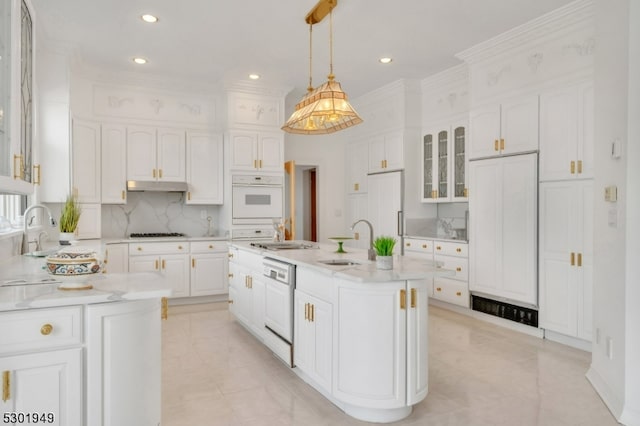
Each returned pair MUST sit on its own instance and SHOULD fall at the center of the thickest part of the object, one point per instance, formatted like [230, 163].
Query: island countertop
[106, 287]
[404, 267]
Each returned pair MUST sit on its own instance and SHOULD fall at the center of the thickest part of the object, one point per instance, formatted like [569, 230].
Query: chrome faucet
[371, 254]
[25, 237]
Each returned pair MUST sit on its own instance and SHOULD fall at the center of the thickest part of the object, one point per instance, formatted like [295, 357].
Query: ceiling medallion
[325, 109]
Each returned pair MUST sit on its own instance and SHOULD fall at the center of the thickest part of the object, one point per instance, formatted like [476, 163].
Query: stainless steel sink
[283, 245]
[42, 253]
[339, 262]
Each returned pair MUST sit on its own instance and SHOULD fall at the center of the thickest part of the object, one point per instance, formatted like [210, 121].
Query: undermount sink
[339, 262]
[42, 253]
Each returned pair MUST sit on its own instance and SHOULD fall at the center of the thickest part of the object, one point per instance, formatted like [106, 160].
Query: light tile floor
[216, 373]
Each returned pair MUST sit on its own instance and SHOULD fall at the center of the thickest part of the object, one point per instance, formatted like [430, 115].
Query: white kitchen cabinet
[386, 152]
[384, 203]
[357, 209]
[171, 259]
[250, 151]
[114, 163]
[507, 128]
[43, 383]
[454, 256]
[85, 161]
[209, 268]
[205, 167]
[41, 363]
[247, 293]
[116, 258]
[503, 227]
[566, 133]
[90, 222]
[357, 167]
[313, 325]
[444, 163]
[566, 257]
[156, 154]
[368, 318]
[418, 248]
[123, 386]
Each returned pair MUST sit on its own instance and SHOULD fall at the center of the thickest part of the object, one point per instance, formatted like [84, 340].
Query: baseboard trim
[608, 396]
[574, 342]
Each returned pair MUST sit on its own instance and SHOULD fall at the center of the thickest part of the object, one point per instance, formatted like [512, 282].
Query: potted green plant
[383, 246]
[69, 220]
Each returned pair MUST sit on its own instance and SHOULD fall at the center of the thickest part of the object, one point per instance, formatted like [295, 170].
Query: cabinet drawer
[451, 291]
[451, 249]
[315, 283]
[458, 264]
[208, 246]
[40, 329]
[415, 246]
[178, 247]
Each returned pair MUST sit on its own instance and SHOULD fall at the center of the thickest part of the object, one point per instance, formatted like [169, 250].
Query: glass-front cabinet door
[444, 163]
[16, 97]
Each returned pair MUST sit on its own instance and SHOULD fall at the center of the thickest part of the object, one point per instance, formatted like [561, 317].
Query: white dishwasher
[279, 280]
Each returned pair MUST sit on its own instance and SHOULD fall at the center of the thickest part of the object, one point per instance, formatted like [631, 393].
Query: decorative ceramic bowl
[71, 263]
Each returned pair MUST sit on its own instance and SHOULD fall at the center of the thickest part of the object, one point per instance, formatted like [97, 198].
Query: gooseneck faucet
[25, 237]
[371, 253]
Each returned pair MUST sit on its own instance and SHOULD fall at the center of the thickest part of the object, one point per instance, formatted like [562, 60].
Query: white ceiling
[211, 42]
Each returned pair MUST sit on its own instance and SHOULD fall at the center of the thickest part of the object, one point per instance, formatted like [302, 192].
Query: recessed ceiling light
[140, 61]
[254, 76]
[149, 18]
[385, 60]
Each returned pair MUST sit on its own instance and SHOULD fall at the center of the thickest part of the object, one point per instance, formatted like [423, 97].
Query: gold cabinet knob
[424, 246]
[438, 248]
[179, 247]
[458, 293]
[139, 248]
[459, 269]
[438, 288]
[230, 254]
[459, 250]
[408, 244]
[46, 329]
[230, 301]
[211, 246]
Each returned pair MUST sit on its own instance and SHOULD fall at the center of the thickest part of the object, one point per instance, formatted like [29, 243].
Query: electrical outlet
[610, 347]
[597, 336]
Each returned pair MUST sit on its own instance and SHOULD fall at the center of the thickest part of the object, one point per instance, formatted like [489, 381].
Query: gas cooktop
[156, 235]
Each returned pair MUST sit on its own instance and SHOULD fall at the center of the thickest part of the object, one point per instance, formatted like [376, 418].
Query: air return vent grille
[504, 310]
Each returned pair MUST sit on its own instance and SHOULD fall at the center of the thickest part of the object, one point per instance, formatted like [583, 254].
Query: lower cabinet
[46, 386]
[246, 296]
[173, 266]
[313, 325]
[124, 364]
[381, 328]
[209, 268]
[116, 258]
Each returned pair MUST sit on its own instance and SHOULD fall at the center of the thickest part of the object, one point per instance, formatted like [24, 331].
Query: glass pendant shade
[322, 110]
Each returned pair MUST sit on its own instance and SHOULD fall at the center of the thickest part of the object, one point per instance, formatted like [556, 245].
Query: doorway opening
[301, 202]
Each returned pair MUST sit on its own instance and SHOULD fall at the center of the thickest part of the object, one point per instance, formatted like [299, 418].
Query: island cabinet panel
[123, 385]
[370, 336]
[417, 340]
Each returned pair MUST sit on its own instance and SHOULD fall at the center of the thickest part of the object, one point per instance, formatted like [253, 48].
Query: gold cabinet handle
[495, 145]
[579, 259]
[572, 167]
[356, 187]
[6, 385]
[164, 264]
[188, 195]
[501, 144]
[164, 312]
[250, 281]
[255, 164]
[123, 194]
[579, 166]
[160, 173]
[156, 265]
[438, 288]
[46, 329]
[414, 297]
[259, 164]
[193, 263]
[36, 174]
[306, 311]
[465, 193]
[403, 299]
[382, 164]
[573, 259]
[18, 166]
[436, 193]
[153, 173]
[313, 312]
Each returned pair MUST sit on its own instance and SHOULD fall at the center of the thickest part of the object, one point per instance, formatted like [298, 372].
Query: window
[12, 206]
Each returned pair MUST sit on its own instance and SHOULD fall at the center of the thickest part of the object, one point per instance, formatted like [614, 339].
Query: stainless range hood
[156, 186]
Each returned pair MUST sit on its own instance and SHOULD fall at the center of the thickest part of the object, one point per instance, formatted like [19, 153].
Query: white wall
[616, 269]
[326, 152]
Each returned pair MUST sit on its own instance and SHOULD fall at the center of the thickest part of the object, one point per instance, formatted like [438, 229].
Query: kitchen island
[360, 335]
[80, 357]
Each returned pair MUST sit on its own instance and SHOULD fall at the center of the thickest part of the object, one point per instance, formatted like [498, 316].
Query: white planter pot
[65, 238]
[384, 262]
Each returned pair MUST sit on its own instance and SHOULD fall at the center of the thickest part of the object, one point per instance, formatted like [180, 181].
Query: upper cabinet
[386, 152]
[85, 161]
[156, 154]
[444, 163]
[17, 171]
[356, 167]
[566, 133]
[256, 151]
[205, 166]
[509, 127]
[114, 164]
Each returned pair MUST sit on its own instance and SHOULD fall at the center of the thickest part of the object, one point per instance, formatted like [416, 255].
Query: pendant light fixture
[325, 109]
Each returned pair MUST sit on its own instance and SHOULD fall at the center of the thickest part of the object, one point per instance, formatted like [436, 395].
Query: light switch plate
[616, 149]
[611, 193]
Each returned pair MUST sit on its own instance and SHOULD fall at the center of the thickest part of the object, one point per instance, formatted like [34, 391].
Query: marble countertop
[423, 237]
[106, 287]
[160, 240]
[404, 267]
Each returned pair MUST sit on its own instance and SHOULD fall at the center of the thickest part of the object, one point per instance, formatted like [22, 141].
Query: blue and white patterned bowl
[73, 263]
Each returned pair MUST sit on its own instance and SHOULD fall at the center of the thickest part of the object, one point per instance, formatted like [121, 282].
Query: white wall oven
[256, 199]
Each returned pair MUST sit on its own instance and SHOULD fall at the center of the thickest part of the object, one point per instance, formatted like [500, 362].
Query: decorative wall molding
[493, 77]
[255, 111]
[586, 48]
[534, 61]
[115, 102]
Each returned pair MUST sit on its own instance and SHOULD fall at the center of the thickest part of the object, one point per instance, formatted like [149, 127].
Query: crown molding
[458, 74]
[577, 13]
